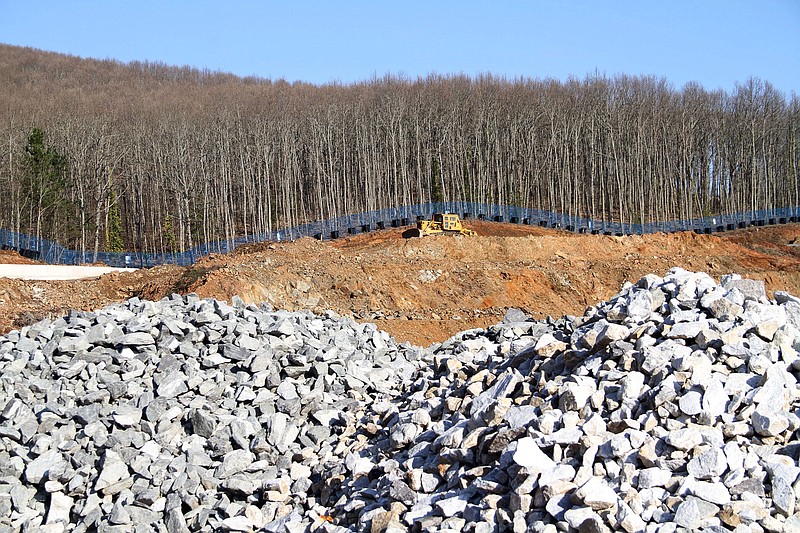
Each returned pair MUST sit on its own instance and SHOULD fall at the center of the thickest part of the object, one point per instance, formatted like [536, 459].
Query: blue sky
[714, 42]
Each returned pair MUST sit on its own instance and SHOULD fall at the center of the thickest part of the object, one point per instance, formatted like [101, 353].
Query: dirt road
[56, 272]
[424, 290]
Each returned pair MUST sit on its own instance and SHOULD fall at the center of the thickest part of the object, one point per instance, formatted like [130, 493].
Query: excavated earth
[426, 290]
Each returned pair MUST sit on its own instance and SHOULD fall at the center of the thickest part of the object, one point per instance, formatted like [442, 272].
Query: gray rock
[112, 470]
[59, 509]
[724, 309]
[783, 496]
[137, 339]
[175, 521]
[503, 386]
[715, 493]
[653, 477]
[767, 422]
[514, 316]
[74, 344]
[593, 525]
[578, 515]
[641, 305]
[595, 493]
[401, 492]
[529, 456]
[691, 402]
[714, 399]
[37, 469]
[692, 512]
[521, 416]
[203, 423]
[574, 396]
[452, 506]
[751, 289]
[628, 519]
[119, 514]
[687, 330]
[233, 462]
[684, 438]
[174, 384]
[708, 464]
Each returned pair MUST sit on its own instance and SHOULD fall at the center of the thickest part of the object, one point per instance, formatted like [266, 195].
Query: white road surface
[56, 272]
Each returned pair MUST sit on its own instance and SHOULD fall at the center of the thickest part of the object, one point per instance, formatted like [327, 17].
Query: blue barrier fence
[54, 253]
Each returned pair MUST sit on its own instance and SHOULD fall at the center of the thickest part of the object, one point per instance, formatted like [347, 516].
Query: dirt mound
[12, 257]
[424, 290]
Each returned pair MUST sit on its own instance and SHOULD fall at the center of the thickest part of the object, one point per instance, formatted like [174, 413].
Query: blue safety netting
[54, 253]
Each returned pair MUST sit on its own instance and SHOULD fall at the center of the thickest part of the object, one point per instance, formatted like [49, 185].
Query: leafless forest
[155, 158]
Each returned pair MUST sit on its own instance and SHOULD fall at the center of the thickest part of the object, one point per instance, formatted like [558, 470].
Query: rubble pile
[182, 414]
[671, 407]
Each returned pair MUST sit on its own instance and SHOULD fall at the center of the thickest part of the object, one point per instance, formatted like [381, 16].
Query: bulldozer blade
[412, 233]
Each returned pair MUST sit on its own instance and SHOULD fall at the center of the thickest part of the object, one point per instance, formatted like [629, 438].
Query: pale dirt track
[425, 290]
[55, 272]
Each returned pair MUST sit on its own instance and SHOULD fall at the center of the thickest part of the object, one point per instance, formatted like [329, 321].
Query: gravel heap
[673, 406]
[182, 414]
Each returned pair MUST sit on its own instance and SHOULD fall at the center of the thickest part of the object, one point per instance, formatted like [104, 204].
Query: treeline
[161, 158]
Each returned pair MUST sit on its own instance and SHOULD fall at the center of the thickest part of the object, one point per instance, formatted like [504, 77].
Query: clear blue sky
[714, 42]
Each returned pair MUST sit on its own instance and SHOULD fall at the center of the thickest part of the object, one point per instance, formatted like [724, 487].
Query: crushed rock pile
[182, 414]
[671, 407]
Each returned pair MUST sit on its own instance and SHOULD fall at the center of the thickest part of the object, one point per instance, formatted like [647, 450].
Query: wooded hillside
[100, 155]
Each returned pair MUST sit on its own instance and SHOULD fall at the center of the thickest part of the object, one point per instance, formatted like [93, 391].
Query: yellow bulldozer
[439, 224]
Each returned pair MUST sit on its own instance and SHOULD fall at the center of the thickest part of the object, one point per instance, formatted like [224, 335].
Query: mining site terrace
[425, 290]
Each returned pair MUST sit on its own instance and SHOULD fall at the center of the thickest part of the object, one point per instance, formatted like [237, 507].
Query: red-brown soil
[425, 290]
[11, 257]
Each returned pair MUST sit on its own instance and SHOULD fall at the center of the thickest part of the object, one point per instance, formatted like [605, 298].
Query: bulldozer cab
[448, 222]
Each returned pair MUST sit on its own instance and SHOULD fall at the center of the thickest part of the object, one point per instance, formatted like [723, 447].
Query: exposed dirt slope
[11, 257]
[424, 290]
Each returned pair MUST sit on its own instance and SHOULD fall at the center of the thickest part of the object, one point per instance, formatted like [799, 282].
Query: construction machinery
[440, 223]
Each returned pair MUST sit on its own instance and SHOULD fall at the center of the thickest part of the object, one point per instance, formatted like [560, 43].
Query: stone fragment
[112, 470]
[203, 423]
[520, 416]
[684, 438]
[692, 512]
[653, 477]
[60, 508]
[137, 339]
[767, 422]
[547, 346]
[751, 289]
[714, 399]
[711, 492]
[172, 385]
[628, 519]
[724, 309]
[783, 496]
[452, 506]
[529, 455]
[691, 402]
[502, 387]
[37, 469]
[237, 523]
[595, 493]
[233, 462]
[574, 396]
[401, 492]
[708, 464]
